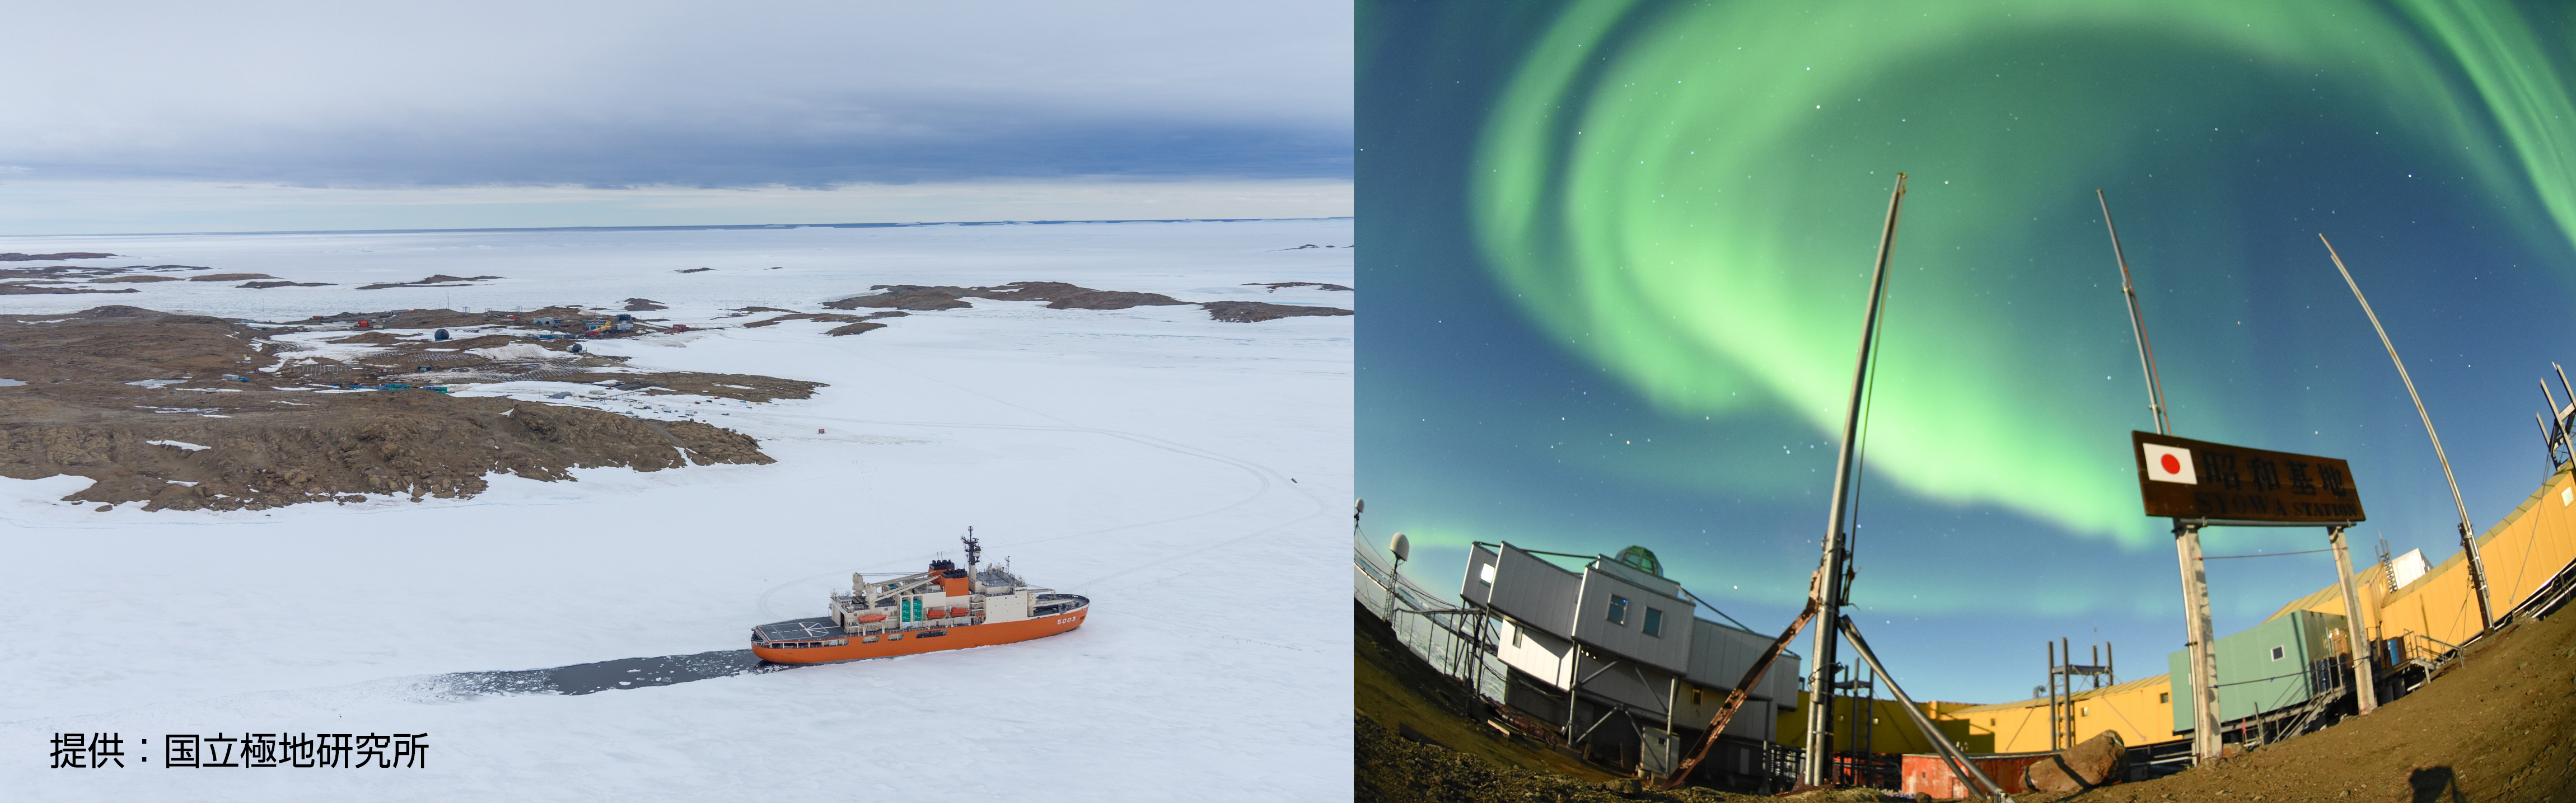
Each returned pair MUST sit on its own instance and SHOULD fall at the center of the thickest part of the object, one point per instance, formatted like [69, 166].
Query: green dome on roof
[1642, 559]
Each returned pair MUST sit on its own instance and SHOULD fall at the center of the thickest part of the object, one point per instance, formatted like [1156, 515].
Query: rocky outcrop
[1255, 311]
[2100, 760]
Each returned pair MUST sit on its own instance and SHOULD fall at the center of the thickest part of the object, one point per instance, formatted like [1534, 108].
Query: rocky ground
[193, 412]
[1390, 768]
[139, 401]
[1411, 744]
[1058, 295]
[2500, 726]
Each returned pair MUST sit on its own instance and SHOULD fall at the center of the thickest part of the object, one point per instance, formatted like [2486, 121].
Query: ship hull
[920, 641]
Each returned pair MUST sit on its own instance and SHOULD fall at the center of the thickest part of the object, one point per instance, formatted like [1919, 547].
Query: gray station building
[1613, 660]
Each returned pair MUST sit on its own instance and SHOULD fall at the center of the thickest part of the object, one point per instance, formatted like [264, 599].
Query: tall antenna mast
[1818, 763]
[2137, 322]
[2468, 540]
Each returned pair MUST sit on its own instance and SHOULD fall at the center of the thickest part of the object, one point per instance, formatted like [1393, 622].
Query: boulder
[2103, 759]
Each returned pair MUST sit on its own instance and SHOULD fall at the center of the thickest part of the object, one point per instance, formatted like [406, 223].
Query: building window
[1694, 697]
[1654, 622]
[1485, 574]
[2084, 712]
[2276, 653]
[1618, 610]
[2164, 697]
[1516, 637]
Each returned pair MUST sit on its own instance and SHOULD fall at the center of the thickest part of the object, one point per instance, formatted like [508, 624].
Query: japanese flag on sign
[2169, 464]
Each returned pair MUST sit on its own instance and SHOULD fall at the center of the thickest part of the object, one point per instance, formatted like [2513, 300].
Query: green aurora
[1688, 197]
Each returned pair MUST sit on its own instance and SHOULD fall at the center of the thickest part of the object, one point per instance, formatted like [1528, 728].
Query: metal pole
[1573, 686]
[1818, 762]
[2562, 381]
[2137, 322]
[2066, 648]
[2203, 661]
[2468, 537]
[1672, 698]
[1970, 774]
[2365, 689]
[2052, 695]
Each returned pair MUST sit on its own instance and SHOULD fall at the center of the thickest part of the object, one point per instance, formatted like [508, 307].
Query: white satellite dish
[1402, 548]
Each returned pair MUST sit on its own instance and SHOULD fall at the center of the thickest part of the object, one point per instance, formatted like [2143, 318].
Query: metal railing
[1436, 628]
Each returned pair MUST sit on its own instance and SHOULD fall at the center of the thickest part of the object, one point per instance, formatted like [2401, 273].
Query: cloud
[678, 93]
[87, 206]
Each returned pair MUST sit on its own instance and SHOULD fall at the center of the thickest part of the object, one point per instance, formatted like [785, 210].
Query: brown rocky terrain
[433, 280]
[1394, 767]
[908, 297]
[14, 256]
[140, 402]
[856, 323]
[1059, 295]
[2499, 726]
[62, 271]
[26, 289]
[1255, 311]
[228, 277]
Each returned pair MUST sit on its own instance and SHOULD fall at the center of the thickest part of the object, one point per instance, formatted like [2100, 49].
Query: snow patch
[517, 351]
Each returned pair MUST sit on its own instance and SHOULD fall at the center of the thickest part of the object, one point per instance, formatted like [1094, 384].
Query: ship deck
[1058, 604]
[800, 630]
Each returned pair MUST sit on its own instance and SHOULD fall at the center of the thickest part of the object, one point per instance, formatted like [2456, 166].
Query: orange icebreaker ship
[943, 608]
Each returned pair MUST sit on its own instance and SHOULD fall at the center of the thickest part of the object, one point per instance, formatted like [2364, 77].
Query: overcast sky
[126, 115]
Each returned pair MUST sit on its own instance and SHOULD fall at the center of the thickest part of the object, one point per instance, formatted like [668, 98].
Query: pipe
[2468, 537]
[1819, 738]
[1967, 771]
[2137, 323]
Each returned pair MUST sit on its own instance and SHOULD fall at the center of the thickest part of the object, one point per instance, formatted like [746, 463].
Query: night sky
[1617, 253]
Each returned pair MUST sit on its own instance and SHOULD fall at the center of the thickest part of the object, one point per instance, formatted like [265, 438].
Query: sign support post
[2365, 689]
[2199, 484]
[2203, 659]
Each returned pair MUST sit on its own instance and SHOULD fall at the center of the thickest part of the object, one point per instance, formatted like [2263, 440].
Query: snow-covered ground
[1190, 476]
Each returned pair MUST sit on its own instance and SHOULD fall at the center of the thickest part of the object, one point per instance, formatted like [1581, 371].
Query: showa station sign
[2188, 479]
